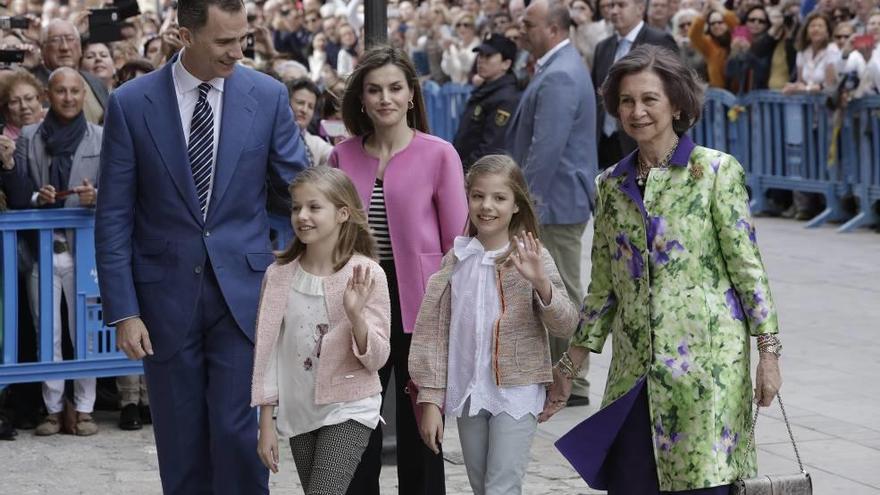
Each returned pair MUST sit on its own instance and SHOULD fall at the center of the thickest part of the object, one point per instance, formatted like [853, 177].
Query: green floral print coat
[678, 281]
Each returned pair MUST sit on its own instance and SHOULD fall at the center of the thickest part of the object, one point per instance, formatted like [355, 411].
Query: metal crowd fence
[800, 143]
[783, 142]
[94, 344]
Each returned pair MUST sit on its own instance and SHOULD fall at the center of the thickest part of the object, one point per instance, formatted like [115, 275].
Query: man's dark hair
[193, 14]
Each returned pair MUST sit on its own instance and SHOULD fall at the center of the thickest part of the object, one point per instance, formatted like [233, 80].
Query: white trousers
[495, 450]
[63, 277]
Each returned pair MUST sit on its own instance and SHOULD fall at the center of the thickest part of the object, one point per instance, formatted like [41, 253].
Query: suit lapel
[163, 123]
[239, 109]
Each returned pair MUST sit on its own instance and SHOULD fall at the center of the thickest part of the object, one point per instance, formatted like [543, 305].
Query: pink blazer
[344, 374]
[426, 205]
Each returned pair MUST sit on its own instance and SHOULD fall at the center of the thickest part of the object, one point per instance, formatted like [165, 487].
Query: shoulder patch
[501, 117]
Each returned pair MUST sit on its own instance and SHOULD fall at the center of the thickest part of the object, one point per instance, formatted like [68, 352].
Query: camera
[11, 56]
[249, 43]
[105, 25]
[17, 22]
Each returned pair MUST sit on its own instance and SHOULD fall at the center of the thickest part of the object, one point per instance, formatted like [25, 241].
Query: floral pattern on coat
[682, 318]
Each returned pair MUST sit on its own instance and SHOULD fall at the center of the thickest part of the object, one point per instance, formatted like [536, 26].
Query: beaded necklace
[645, 167]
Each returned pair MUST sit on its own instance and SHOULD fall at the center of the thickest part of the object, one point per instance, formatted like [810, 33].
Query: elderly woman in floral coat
[678, 282]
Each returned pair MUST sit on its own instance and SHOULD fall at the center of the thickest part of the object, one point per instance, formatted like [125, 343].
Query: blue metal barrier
[724, 126]
[790, 140]
[860, 143]
[444, 105]
[95, 352]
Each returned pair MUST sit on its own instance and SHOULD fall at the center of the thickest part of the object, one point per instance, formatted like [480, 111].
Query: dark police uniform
[484, 122]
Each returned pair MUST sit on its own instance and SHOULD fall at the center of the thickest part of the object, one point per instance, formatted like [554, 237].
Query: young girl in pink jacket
[480, 346]
[322, 336]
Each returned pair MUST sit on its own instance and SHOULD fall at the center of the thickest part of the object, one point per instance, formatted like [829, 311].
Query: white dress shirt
[475, 307]
[186, 86]
[541, 62]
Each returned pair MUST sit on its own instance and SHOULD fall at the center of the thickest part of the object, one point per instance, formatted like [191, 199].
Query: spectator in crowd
[348, 52]
[548, 138]
[862, 10]
[486, 117]
[216, 220]
[776, 50]
[97, 60]
[586, 31]
[817, 57]
[60, 155]
[304, 97]
[500, 22]
[290, 35]
[841, 13]
[659, 15]
[61, 48]
[710, 35]
[414, 186]
[852, 65]
[873, 26]
[629, 31]
[318, 56]
[744, 70]
[458, 51]
[21, 99]
[681, 28]
[15, 41]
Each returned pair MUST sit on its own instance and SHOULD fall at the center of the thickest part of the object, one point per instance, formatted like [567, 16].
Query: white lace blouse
[475, 307]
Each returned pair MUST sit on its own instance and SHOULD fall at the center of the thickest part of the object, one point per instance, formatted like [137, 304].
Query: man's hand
[46, 195]
[87, 193]
[132, 338]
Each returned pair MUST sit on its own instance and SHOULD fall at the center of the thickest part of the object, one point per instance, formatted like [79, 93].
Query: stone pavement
[827, 287]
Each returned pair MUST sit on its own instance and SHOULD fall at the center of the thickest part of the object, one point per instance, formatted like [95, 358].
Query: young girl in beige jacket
[480, 346]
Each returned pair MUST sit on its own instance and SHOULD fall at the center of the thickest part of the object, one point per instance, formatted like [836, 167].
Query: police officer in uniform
[492, 104]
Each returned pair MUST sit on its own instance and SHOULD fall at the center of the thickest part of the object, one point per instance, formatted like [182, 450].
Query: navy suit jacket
[553, 138]
[152, 244]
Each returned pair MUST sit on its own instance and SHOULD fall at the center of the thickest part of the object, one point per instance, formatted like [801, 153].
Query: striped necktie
[201, 146]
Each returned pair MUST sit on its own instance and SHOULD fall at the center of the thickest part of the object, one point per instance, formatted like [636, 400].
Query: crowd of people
[396, 248]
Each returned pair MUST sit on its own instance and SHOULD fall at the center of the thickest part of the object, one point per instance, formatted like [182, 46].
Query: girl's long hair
[524, 219]
[354, 234]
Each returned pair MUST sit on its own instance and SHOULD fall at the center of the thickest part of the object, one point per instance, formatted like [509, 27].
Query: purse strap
[797, 454]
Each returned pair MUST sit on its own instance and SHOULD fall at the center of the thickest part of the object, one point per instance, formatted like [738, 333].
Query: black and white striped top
[378, 220]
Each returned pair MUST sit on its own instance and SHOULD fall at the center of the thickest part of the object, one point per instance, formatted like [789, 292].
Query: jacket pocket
[359, 374]
[149, 247]
[530, 353]
[260, 261]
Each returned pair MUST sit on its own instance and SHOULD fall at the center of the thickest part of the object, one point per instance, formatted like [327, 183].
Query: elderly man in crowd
[630, 30]
[550, 137]
[61, 48]
[57, 160]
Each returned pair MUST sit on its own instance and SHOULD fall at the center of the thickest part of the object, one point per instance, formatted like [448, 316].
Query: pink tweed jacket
[520, 345]
[343, 373]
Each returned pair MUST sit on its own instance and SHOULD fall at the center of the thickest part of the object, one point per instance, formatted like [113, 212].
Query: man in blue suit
[553, 138]
[182, 241]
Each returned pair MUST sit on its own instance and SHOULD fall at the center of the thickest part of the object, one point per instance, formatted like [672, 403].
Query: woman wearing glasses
[745, 70]
[710, 35]
[458, 51]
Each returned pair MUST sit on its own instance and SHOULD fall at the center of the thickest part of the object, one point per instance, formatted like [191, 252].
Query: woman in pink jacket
[413, 186]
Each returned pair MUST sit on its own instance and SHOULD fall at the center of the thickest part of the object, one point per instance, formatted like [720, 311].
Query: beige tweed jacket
[520, 345]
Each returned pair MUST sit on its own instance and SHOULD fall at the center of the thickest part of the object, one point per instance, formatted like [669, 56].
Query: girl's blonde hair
[524, 219]
[354, 234]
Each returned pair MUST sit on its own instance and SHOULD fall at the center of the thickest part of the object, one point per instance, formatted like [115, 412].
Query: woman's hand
[768, 379]
[557, 395]
[267, 442]
[527, 259]
[7, 152]
[357, 291]
[431, 427]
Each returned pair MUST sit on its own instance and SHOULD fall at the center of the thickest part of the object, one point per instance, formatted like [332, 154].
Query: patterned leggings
[327, 458]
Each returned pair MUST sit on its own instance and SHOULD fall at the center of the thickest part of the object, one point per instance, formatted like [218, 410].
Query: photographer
[776, 48]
